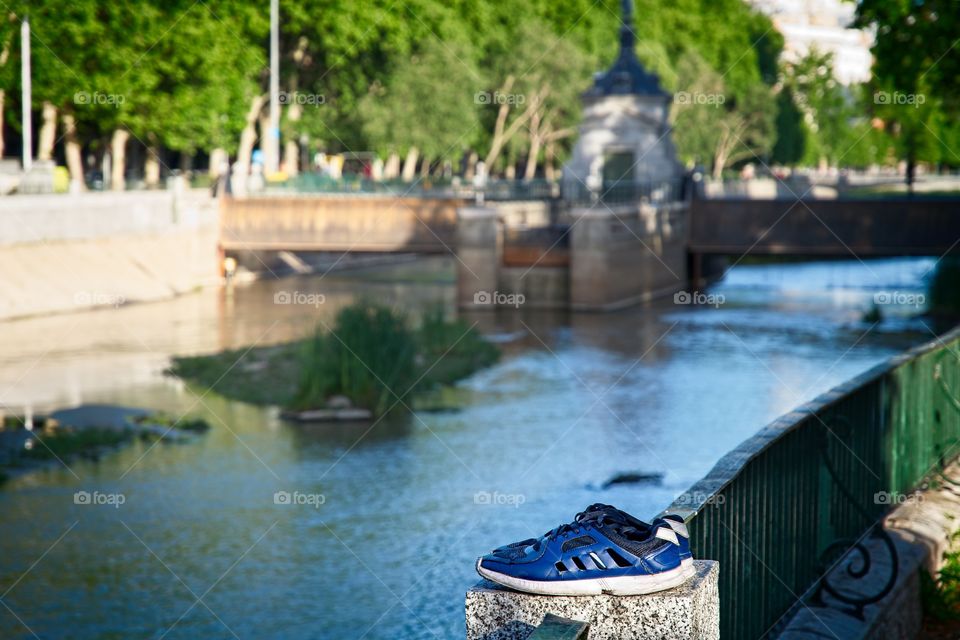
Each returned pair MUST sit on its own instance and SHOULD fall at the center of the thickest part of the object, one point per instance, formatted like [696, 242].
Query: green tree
[427, 107]
[532, 101]
[824, 107]
[916, 77]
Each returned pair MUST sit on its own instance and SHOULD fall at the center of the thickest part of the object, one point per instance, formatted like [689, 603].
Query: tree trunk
[291, 149]
[502, 133]
[73, 152]
[548, 169]
[248, 137]
[410, 165]
[3, 95]
[215, 167]
[118, 153]
[531, 170]
[4, 56]
[48, 132]
[392, 169]
[151, 166]
[471, 170]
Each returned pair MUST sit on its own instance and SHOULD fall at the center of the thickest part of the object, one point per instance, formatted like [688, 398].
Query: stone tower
[624, 137]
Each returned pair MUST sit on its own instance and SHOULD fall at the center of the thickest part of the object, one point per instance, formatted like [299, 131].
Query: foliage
[724, 114]
[449, 351]
[67, 442]
[941, 595]
[240, 373]
[391, 77]
[179, 423]
[823, 106]
[370, 354]
[914, 45]
[916, 81]
[944, 287]
[424, 105]
[367, 355]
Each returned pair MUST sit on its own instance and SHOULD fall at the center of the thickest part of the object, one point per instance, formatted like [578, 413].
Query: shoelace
[597, 515]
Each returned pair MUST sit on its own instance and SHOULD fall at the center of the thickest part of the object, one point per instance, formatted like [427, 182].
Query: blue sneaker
[676, 523]
[604, 550]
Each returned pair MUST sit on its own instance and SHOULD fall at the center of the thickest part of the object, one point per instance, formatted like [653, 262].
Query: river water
[392, 517]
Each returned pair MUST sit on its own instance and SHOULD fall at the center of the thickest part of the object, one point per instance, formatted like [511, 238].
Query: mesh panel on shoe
[574, 543]
[635, 547]
[514, 551]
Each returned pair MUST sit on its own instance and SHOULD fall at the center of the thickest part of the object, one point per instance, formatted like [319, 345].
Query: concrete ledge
[688, 612]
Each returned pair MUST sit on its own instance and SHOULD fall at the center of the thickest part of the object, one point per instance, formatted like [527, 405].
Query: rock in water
[634, 478]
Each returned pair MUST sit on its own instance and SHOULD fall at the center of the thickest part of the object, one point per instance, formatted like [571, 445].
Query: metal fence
[623, 192]
[776, 511]
[493, 190]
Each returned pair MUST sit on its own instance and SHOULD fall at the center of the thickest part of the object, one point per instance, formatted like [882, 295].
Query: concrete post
[479, 247]
[625, 255]
[688, 612]
[590, 274]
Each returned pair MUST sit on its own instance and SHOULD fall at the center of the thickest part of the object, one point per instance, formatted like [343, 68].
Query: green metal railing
[771, 509]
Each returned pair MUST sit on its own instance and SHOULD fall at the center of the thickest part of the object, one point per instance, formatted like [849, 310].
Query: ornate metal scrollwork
[836, 550]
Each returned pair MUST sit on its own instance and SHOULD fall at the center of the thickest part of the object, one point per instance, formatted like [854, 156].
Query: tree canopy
[500, 79]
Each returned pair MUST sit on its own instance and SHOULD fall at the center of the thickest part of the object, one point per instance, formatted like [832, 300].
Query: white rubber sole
[617, 586]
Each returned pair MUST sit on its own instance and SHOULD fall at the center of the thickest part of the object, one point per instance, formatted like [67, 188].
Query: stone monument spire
[627, 75]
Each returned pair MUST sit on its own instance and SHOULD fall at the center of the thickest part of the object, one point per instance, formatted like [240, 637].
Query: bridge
[898, 226]
[863, 227]
[339, 222]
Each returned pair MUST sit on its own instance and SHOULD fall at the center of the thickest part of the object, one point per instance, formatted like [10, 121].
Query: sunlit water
[199, 549]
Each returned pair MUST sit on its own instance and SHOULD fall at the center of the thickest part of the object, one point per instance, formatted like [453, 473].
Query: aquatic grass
[192, 425]
[371, 354]
[262, 375]
[451, 350]
[69, 442]
[368, 355]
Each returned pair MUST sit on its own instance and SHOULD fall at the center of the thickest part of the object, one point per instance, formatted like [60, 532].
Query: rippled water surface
[199, 549]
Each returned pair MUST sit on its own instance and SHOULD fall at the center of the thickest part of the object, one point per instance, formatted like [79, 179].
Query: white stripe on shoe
[617, 586]
[679, 527]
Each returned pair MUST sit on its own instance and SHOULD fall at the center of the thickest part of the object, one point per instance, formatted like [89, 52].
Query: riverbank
[371, 359]
[87, 432]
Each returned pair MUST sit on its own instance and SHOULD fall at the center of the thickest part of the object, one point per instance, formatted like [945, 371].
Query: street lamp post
[272, 146]
[25, 83]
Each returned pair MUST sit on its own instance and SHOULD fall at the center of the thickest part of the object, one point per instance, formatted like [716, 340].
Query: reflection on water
[200, 549]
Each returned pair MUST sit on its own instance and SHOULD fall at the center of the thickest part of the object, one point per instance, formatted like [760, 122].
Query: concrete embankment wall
[339, 222]
[68, 252]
